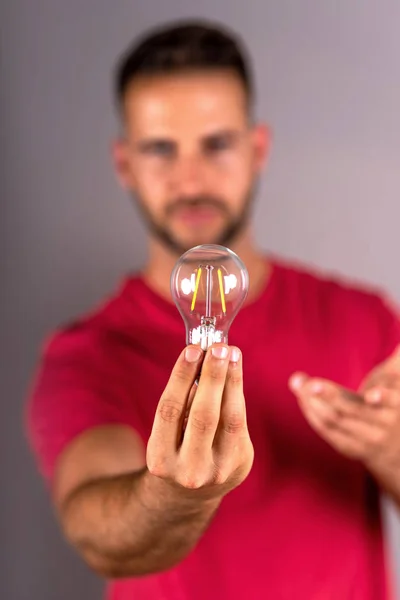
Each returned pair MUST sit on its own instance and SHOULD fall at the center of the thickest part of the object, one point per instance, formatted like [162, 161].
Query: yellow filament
[221, 288]
[196, 288]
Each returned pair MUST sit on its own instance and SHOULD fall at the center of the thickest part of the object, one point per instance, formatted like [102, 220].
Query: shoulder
[94, 335]
[343, 304]
[333, 288]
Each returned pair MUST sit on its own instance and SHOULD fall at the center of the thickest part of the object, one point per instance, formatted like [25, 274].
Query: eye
[162, 148]
[218, 143]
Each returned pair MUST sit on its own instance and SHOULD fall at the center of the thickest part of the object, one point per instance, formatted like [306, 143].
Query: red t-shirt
[305, 525]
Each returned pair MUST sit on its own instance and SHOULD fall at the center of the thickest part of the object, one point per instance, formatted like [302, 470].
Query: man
[275, 496]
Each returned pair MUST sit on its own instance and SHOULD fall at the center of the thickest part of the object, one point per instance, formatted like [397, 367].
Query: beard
[234, 225]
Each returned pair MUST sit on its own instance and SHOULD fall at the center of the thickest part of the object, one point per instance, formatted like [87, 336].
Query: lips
[196, 215]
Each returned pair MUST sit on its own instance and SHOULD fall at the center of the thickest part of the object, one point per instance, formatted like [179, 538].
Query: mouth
[197, 216]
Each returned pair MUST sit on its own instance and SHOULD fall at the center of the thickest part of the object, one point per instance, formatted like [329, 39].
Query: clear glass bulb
[209, 284]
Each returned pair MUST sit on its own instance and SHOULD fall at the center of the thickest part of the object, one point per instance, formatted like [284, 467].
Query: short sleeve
[389, 328]
[72, 391]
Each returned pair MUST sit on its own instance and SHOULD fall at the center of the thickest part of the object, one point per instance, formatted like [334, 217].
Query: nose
[188, 176]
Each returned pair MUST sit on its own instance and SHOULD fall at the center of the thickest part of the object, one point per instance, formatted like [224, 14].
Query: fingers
[232, 425]
[205, 410]
[171, 408]
[355, 425]
[349, 435]
[190, 418]
[338, 401]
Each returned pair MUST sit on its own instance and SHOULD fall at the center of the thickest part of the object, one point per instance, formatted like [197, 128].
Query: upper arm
[82, 421]
[101, 451]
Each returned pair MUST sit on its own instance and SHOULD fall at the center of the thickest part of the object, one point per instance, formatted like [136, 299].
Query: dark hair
[183, 46]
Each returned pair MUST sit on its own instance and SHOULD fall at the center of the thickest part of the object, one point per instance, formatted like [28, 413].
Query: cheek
[151, 183]
[232, 162]
[233, 176]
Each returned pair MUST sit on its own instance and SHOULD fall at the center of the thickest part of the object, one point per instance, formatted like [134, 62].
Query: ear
[262, 141]
[122, 163]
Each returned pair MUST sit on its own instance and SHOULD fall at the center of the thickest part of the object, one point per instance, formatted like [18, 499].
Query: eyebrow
[231, 134]
[146, 143]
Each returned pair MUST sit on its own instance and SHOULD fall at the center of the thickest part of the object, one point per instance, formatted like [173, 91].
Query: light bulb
[209, 284]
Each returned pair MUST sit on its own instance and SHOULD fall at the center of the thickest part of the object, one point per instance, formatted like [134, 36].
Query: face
[190, 157]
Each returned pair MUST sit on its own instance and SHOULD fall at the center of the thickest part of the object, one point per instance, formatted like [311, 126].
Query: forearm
[134, 524]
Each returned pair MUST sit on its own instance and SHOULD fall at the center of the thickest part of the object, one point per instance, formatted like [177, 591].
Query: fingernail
[373, 396]
[235, 355]
[192, 354]
[219, 351]
[296, 382]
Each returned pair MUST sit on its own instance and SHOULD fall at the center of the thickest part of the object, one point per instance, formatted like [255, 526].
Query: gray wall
[329, 85]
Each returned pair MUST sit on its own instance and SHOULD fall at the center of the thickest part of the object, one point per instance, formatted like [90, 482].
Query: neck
[161, 261]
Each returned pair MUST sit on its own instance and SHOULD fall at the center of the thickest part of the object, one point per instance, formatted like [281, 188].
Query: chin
[198, 241]
[207, 235]
[180, 240]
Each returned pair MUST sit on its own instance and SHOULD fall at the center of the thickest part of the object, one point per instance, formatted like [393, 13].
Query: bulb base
[206, 334]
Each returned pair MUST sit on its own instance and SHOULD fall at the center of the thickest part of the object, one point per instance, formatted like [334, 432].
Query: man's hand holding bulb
[214, 453]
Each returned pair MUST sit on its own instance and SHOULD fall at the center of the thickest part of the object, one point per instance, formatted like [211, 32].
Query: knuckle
[235, 377]
[156, 467]
[329, 421]
[216, 375]
[214, 371]
[190, 480]
[203, 422]
[182, 373]
[170, 410]
[193, 483]
[220, 477]
[332, 419]
[233, 423]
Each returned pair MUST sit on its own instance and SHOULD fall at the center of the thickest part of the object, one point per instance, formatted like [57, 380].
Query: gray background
[329, 84]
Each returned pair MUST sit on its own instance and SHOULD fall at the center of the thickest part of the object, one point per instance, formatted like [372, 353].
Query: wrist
[161, 493]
